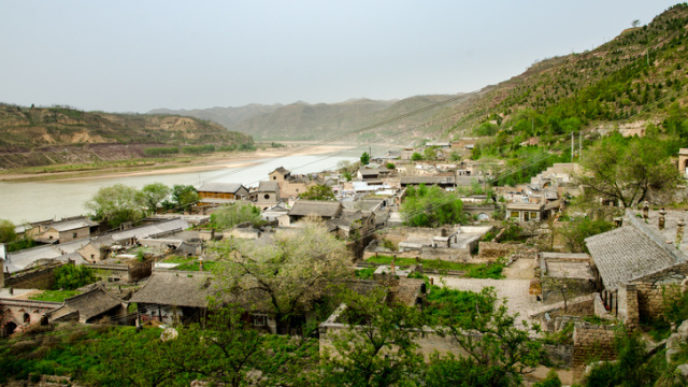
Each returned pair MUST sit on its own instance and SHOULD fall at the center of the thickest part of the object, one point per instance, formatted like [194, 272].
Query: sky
[134, 56]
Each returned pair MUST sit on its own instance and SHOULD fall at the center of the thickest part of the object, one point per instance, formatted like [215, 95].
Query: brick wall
[34, 278]
[591, 343]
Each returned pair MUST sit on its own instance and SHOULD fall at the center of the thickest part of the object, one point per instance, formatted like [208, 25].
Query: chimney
[679, 233]
[662, 219]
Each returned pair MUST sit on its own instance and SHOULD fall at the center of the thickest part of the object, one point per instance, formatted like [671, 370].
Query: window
[260, 320]
[533, 215]
[73, 235]
[514, 214]
[266, 196]
[274, 178]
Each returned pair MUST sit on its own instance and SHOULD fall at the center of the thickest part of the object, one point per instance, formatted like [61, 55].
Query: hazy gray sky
[140, 55]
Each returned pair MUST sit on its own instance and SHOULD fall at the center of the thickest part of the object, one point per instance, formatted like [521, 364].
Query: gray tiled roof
[314, 207]
[221, 187]
[268, 186]
[428, 180]
[176, 288]
[630, 252]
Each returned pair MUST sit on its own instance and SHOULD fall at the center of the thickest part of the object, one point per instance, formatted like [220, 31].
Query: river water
[32, 201]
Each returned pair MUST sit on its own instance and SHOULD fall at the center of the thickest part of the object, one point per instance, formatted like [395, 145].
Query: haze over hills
[634, 78]
[303, 121]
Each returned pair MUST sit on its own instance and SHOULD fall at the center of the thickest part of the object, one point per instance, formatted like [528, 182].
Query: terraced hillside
[39, 136]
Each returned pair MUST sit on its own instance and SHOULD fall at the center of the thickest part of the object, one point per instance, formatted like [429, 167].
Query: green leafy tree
[430, 153]
[431, 207]
[292, 272]
[154, 194]
[318, 192]
[578, 229]
[117, 204]
[7, 233]
[378, 349]
[416, 156]
[497, 352]
[365, 158]
[70, 277]
[233, 214]
[184, 196]
[629, 170]
[390, 165]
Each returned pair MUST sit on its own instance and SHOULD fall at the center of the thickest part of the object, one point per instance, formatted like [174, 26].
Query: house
[444, 181]
[23, 259]
[220, 193]
[267, 194]
[526, 212]
[66, 230]
[636, 265]
[90, 306]
[324, 210]
[278, 213]
[173, 296]
[290, 185]
[683, 162]
[19, 313]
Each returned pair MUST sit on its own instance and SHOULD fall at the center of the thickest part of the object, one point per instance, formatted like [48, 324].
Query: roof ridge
[675, 252]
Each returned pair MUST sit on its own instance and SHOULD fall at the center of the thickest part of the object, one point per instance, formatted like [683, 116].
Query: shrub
[70, 277]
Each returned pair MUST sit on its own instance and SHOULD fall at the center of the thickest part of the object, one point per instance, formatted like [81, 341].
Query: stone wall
[34, 278]
[628, 311]
[494, 250]
[591, 343]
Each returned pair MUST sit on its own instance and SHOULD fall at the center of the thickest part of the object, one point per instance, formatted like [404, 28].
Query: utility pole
[572, 145]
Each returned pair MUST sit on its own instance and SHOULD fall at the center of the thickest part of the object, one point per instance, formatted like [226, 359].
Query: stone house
[683, 162]
[88, 307]
[635, 266]
[290, 185]
[17, 313]
[443, 181]
[174, 296]
[526, 212]
[324, 210]
[266, 195]
[221, 193]
[278, 213]
[66, 230]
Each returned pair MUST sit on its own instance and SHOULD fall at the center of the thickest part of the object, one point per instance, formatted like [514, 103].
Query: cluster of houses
[158, 272]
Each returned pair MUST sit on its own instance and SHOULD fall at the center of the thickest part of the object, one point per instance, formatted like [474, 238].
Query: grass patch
[366, 273]
[55, 295]
[448, 305]
[473, 270]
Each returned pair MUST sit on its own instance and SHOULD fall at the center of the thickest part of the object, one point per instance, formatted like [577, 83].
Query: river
[32, 201]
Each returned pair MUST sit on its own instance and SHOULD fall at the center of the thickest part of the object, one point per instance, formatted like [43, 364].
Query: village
[378, 235]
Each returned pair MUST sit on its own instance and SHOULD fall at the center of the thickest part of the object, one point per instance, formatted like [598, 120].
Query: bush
[233, 214]
[70, 277]
[416, 156]
[431, 207]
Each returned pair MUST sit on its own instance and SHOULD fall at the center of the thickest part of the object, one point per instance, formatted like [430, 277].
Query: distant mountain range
[640, 76]
[353, 119]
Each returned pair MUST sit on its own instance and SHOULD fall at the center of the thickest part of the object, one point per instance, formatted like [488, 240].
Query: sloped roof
[92, 303]
[178, 288]
[630, 252]
[281, 170]
[73, 224]
[315, 207]
[221, 187]
[151, 230]
[525, 206]
[268, 186]
[428, 180]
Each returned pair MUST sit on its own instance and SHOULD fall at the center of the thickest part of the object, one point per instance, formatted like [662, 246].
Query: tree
[184, 196]
[416, 156]
[390, 165]
[635, 23]
[70, 277]
[233, 214]
[430, 153]
[318, 192]
[497, 352]
[7, 233]
[292, 272]
[629, 170]
[154, 194]
[578, 229]
[378, 349]
[117, 204]
[431, 207]
[365, 158]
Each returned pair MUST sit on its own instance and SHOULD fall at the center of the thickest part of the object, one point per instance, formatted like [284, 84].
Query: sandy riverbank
[201, 164]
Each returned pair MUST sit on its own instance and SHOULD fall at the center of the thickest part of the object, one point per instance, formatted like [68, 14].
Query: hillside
[303, 121]
[637, 78]
[40, 136]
